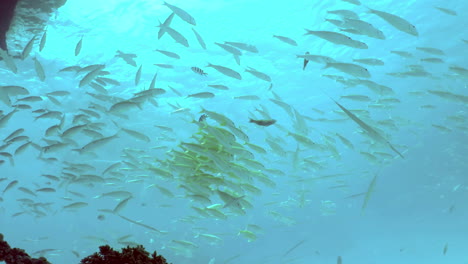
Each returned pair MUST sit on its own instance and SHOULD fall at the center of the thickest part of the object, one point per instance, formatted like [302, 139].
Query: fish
[287, 40]
[199, 71]
[13, 134]
[121, 205]
[369, 61]
[446, 10]
[78, 46]
[167, 22]
[181, 13]
[260, 75]
[293, 247]
[39, 70]
[74, 206]
[344, 13]
[338, 38]
[243, 46]
[229, 49]
[354, 2]
[43, 40]
[175, 35]
[339, 260]
[169, 54]
[396, 21]
[165, 66]
[127, 57]
[5, 118]
[90, 76]
[370, 189]
[202, 95]
[247, 97]
[369, 130]
[136, 134]
[138, 75]
[316, 58]
[349, 68]
[444, 251]
[226, 71]
[140, 224]
[430, 50]
[93, 145]
[219, 86]
[27, 49]
[10, 185]
[363, 28]
[263, 122]
[251, 236]
[199, 39]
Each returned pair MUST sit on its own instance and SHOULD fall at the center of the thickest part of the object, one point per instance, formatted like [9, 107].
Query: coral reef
[106, 255]
[129, 255]
[18, 256]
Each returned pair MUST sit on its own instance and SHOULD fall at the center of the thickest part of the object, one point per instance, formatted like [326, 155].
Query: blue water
[417, 206]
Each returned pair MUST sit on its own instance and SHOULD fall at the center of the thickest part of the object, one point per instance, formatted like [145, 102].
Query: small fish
[349, 68]
[370, 61]
[338, 38]
[445, 249]
[446, 10]
[27, 49]
[263, 122]
[344, 13]
[181, 13]
[165, 66]
[199, 39]
[219, 86]
[202, 95]
[76, 205]
[39, 70]
[226, 71]
[306, 61]
[396, 21]
[78, 46]
[127, 57]
[287, 40]
[10, 186]
[247, 97]
[169, 54]
[138, 75]
[369, 192]
[258, 74]
[243, 46]
[339, 260]
[199, 71]
[43, 41]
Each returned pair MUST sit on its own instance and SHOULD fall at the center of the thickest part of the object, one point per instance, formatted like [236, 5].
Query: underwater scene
[216, 132]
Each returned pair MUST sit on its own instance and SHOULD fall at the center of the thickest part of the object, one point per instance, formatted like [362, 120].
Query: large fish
[370, 131]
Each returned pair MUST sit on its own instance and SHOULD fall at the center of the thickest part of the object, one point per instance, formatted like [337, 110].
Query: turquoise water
[303, 202]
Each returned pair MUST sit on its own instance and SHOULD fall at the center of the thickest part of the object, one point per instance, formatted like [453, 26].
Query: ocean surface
[112, 135]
